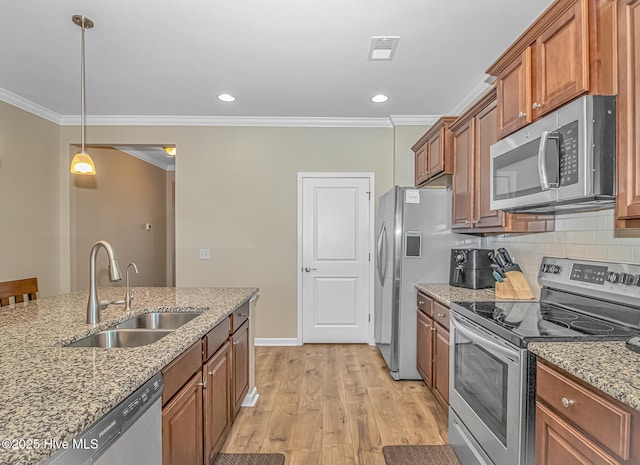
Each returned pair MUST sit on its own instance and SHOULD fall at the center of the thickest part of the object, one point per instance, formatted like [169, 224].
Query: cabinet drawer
[587, 409]
[441, 314]
[239, 316]
[425, 304]
[214, 339]
[177, 373]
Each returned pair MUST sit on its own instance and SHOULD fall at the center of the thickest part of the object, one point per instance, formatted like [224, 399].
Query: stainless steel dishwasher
[131, 433]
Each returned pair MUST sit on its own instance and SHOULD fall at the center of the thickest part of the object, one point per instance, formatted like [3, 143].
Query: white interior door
[335, 272]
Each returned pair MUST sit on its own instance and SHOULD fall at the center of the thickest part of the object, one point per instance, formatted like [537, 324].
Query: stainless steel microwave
[565, 161]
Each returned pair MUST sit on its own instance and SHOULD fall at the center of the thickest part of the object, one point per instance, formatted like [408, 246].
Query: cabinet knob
[213, 372]
[522, 114]
[235, 343]
[420, 302]
[474, 221]
[566, 403]
[467, 222]
[535, 106]
[433, 327]
[203, 384]
[244, 314]
[441, 315]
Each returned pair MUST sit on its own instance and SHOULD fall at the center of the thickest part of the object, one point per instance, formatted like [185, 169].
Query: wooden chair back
[18, 290]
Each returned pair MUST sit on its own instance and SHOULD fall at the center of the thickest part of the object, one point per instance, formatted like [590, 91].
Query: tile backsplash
[588, 235]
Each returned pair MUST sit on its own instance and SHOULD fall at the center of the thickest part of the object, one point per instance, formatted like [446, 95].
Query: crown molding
[124, 120]
[414, 120]
[483, 84]
[146, 158]
[29, 106]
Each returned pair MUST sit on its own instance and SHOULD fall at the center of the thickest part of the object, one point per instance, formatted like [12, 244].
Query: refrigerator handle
[382, 253]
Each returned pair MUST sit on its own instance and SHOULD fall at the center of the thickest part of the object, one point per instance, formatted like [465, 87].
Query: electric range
[492, 374]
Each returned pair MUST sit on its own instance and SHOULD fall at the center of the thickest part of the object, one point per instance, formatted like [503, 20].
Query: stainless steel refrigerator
[413, 245]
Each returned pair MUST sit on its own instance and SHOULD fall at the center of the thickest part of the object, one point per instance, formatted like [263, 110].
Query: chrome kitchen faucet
[94, 305]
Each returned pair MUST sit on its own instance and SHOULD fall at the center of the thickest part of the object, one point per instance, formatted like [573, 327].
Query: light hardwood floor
[333, 405]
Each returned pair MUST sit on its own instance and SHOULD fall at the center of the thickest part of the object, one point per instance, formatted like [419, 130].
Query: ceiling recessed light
[380, 98]
[226, 97]
[171, 151]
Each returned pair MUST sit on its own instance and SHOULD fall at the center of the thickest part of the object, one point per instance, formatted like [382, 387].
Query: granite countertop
[446, 293]
[51, 392]
[608, 366]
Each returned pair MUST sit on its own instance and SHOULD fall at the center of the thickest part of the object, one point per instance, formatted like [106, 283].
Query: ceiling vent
[383, 48]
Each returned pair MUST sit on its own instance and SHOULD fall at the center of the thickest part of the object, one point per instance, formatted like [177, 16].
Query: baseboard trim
[251, 398]
[276, 341]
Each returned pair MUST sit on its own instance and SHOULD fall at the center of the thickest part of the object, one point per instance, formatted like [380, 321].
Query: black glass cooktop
[522, 322]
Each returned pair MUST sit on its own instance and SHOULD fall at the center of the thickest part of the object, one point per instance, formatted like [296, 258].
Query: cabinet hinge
[369, 194]
[369, 317]
[369, 256]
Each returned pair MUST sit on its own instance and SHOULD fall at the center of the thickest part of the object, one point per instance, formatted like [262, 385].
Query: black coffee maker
[471, 268]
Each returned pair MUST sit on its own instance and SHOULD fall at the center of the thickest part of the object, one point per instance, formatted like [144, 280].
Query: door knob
[307, 269]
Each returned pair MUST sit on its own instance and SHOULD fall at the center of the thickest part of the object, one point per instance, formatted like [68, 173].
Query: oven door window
[481, 380]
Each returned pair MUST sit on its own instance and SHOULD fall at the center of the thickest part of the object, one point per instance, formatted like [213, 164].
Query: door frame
[371, 177]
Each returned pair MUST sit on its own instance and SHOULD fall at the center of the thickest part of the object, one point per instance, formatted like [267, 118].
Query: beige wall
[29, 199]
[115, 205]
[403, 161]
[236, 191]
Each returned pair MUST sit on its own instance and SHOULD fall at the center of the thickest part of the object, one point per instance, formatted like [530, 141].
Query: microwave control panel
[568, 145]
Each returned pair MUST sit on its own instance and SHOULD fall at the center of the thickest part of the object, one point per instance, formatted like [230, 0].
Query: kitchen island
[52, 393]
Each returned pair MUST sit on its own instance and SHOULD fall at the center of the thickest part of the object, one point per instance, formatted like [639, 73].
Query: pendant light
[82, 162]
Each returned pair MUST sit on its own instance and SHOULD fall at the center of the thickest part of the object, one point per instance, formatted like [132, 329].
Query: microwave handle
[542, 160]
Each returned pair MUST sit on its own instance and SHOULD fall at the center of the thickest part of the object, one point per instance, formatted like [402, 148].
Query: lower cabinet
[204, 388]
[578, 424]
[182, 426]
[240, 360]
[217, 401]
[432, 347]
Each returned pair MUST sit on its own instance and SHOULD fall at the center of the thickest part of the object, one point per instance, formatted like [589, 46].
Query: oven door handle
[484, 341]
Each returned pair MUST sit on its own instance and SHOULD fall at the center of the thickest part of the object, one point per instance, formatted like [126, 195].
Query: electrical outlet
[205, 254]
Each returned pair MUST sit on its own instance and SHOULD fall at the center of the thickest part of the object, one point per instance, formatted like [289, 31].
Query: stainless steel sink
[114, 338]
[159, 320]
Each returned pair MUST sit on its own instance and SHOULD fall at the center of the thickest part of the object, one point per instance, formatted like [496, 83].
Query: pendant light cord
[82, 88]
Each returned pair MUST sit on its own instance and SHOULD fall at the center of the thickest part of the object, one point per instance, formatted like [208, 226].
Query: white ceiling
[280, 58]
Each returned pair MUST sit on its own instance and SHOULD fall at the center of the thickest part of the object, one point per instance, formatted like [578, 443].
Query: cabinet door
[486, 133]
[421, 165]
[562, 60]
[514, 95]
[217, 401]
[435, 154]
[441, 365]
[462, 181]
[182, 426]
[557, 442]
[424, 352]
[240, 366]
[628, 115]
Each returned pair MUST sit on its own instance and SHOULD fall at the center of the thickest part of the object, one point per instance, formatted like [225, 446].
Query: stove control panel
[605, 280]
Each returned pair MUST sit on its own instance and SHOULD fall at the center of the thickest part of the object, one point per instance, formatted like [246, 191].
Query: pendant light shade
[82, 162]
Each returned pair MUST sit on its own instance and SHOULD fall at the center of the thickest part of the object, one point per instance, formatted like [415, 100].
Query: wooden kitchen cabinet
[568, 51]
[182, 426]
[204, 388]
[432, 350]
[434, 152]
[628, 116]
[240, 366]
[579, 424]
[217, 401]
[473, 134]
[424, 347]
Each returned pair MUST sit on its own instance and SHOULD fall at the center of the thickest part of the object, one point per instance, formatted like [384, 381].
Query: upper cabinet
[628, 116]
[473, 134]
[434, 152]
[566, 52]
